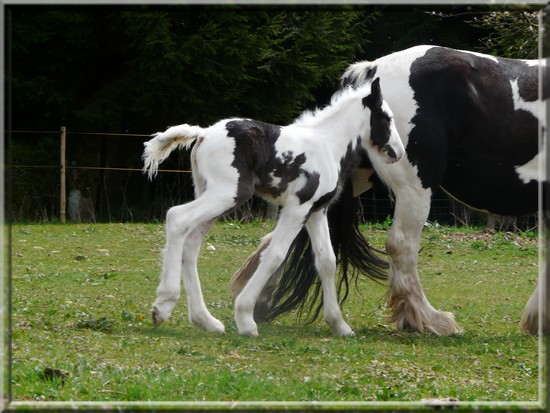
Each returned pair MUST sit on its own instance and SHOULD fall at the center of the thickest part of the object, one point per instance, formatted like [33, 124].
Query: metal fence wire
[96, 177]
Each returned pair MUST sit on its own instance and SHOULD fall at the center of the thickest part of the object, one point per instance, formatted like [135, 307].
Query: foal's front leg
[325, 261]
[288, 226]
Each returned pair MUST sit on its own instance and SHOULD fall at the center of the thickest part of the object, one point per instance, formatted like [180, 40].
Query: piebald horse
[299, 167]
[470, 124]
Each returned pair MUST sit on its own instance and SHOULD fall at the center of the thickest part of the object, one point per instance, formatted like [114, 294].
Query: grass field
[81, 327]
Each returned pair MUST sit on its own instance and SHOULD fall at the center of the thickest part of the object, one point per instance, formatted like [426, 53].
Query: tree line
[139, 69]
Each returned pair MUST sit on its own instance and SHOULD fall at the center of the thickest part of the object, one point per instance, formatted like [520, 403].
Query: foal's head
[384, 138]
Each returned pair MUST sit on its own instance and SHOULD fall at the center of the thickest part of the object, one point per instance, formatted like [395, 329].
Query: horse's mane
[341, 97]
[357, 73]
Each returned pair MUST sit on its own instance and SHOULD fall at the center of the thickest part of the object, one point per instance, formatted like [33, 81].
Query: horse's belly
[494, 188]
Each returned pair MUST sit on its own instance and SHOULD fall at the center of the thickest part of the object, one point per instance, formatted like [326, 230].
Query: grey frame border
[6, 404]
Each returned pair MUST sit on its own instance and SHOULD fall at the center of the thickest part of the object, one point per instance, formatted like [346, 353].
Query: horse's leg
[197, 312]
[325, 261]
[410, 309]
[288, 226]
[247, 270]
[530, 319]
[243, 274]
[185, 228]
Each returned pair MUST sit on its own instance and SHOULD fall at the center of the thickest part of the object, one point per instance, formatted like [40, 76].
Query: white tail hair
[163, 143]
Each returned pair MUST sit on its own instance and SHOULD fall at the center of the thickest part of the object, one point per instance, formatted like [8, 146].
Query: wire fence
[90, 176]
[99, 134]
[104, 182]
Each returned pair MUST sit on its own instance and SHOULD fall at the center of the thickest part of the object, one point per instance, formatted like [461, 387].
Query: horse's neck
[339, 123]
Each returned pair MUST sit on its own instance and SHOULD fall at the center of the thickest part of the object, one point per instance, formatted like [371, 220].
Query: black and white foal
[299, 167]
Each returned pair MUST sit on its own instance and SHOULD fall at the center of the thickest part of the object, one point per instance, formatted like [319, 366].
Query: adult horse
[470, 125]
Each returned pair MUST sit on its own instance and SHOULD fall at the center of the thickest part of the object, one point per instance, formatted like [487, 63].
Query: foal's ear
[374, 100]
[376, 92]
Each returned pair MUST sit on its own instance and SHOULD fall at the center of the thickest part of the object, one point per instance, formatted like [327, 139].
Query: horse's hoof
[529, 325]
[206, 322]
[251, 333]
[246, 326]
[440, 323]
[350, 333]
[343, 331]
[443, 324]
[251, 330]
[157, 320]
[214, 326]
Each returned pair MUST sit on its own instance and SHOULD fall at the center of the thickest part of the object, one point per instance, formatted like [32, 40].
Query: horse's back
[470, 122]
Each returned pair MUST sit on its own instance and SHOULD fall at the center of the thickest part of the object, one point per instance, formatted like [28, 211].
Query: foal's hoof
[212, 325]
[343, 331]
[249, 333]
[157, 320]
[248, 329]
[246, 326]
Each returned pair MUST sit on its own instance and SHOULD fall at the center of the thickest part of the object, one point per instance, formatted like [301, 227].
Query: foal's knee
[173, 219]
[273, 257]
[326, 263]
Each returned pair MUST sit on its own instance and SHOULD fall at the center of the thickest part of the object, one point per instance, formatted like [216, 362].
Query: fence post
[63, 189]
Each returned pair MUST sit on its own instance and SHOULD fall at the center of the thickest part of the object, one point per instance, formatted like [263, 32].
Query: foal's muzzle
[391, 156]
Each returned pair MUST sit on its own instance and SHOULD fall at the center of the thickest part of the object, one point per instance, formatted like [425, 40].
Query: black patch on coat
[467, 137]
[257, 162]
[254, 150]
[353, 158]
[324, 201]
[310, 187]
[379, 120]
[287, 168]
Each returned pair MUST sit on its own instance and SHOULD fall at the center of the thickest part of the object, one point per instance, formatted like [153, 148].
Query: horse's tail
[163, 143]
[298, 275]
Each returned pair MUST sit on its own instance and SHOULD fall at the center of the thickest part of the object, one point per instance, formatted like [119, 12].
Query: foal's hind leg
[198, 314]
[185, 228]
[410, 308]
[325, 261]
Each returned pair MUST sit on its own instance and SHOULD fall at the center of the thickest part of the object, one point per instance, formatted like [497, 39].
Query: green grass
[81, 297]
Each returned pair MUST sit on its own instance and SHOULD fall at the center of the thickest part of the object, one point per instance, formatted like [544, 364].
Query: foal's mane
[340, 99]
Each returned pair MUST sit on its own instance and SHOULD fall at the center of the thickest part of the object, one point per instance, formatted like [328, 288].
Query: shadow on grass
[465, 339]
[379, 335]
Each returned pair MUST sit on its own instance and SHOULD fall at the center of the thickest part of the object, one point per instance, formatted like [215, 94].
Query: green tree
[141, 69]
[512, 33]
[116, 70]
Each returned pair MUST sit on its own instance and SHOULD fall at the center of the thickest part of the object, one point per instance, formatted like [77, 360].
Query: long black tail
[299, 287]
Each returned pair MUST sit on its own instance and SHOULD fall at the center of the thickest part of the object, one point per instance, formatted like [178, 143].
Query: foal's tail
[163, 143]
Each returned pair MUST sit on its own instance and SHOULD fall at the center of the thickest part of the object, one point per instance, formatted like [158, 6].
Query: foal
[298, 167]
